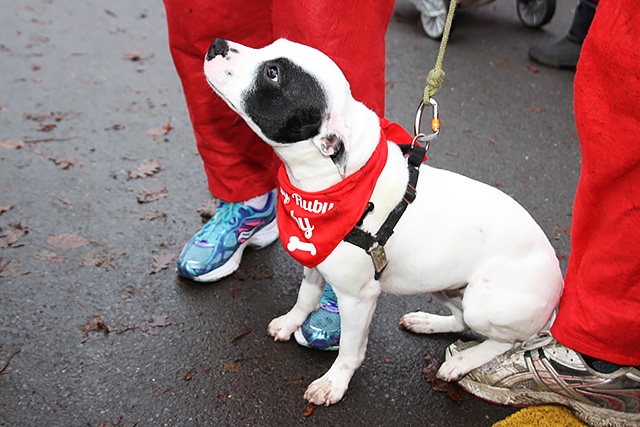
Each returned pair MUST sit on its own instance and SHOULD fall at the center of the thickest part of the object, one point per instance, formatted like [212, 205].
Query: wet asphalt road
[82, 84]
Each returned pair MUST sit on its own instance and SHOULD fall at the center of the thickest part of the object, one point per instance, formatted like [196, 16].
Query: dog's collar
[374, 245]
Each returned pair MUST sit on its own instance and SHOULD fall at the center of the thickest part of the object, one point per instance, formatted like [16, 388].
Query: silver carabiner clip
[435, 122]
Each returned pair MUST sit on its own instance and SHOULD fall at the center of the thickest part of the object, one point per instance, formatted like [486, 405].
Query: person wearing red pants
[240, 168]
[593, 363]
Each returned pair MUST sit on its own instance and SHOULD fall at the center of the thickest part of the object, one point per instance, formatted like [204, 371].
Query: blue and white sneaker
[216, 250]
[321, 329]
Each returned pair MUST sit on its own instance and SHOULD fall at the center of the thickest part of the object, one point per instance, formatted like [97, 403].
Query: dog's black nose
[218, 47]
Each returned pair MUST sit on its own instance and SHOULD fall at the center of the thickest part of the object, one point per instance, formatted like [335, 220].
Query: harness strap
[374, 245]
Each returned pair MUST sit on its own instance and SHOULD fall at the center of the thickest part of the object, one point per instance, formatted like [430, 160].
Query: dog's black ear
[333, 141]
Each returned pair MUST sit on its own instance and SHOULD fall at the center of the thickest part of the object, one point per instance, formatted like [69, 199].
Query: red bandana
[311, 225]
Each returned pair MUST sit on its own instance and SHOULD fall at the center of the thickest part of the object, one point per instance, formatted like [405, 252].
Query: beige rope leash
[434, 80]
[435, 77]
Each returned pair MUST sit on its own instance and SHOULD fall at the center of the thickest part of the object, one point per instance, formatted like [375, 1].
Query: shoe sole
[591, 415]
[261, 239]
[303, 342]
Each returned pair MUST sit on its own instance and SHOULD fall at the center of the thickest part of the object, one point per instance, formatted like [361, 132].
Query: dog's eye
[273, 73]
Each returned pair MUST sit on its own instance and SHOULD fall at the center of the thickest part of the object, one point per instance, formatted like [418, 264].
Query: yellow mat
[541, 416]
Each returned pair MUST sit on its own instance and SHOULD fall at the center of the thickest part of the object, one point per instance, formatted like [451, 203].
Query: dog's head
[282, 92]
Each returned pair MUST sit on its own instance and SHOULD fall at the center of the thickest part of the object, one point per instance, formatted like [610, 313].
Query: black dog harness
[374, 245]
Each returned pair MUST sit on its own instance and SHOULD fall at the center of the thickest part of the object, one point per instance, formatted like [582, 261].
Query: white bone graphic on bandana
[296, 244]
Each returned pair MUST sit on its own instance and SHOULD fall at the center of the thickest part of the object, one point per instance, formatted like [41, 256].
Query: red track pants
[238, 164]
[599, 313]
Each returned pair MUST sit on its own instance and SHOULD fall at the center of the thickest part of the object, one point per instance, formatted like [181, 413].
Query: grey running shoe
[555, 374]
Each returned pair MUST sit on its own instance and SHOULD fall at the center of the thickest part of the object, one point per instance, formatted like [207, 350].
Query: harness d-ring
[435, 123]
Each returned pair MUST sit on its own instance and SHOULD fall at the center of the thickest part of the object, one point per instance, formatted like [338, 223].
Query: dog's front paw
[281, 328]
[325, 391]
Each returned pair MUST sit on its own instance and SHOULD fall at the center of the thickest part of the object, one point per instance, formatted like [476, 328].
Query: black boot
[565, 52]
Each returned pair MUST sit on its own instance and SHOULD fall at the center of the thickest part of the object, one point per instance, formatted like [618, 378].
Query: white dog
[475, 248]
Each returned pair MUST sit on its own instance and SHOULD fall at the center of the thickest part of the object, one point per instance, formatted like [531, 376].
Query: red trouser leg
[599, 313]
[239, 165]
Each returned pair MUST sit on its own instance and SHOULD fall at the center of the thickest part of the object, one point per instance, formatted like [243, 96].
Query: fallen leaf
[4, 209]
[307, 412]
[187, 376]
[145, 169]
[162, 261]
[231, 367]
[147, 196]
[166, 128]
[156, 321]
[207, 210]
[159, 392]
[10, 269]
[12, 144]
[433, 362]
[50, 256]
[149, 217]
[15, 233]
[533, 69]
[100, 259]
[159, 321]
[67, 241]
[95, 324]
[133, 55]
[239, 335]
[67, 163]
[47, 127]
[116, 126]
[65, 201]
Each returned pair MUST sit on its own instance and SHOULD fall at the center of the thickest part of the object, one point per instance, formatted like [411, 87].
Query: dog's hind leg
[467, 360]
[428, 323]
[309, 296]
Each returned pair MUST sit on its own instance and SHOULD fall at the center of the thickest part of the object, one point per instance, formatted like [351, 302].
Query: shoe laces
[226, 213]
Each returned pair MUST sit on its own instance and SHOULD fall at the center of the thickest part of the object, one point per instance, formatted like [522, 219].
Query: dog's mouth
[221, 95]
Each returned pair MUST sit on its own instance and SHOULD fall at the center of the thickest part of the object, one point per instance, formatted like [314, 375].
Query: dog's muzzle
[218, 47]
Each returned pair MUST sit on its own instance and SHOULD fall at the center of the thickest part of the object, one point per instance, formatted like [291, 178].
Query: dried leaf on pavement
[242, 333]
[67, 162]
[136, 55]
[100, 259]
[14, 234]
[159, 320]
[207, 210]
[162, 261]
[9, 269]
[4, 209]
[156, 321]
[147, 196]
[166, 128]
[47, 127]
[231, 367]
[67, 241]
[50, 256]
[308, 411]
[433, 362]
[145, 169]
[95, 324]
[12, 144]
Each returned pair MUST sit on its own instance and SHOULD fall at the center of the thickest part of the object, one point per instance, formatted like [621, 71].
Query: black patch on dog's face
[287, 103]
